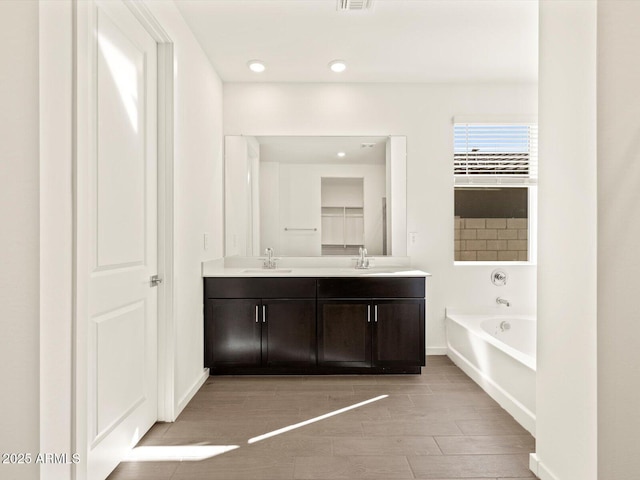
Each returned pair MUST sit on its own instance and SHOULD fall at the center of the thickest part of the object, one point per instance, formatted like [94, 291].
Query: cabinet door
[398, 332]
[232, 333]
[288, 332]
[344, 333]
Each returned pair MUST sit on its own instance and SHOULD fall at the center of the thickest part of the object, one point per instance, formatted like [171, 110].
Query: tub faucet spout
[502, 301]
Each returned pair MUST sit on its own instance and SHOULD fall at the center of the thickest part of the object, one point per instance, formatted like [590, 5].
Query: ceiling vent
[354, 5]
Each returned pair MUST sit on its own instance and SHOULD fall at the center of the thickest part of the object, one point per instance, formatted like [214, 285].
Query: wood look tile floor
[436, 426]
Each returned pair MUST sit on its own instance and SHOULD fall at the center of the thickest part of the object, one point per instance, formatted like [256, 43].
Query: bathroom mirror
[315, 195]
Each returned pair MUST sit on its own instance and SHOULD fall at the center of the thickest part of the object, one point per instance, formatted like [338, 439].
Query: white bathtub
[498, 352]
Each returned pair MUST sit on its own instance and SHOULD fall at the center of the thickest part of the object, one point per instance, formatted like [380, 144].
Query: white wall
[269, 205]
[344, 192]
[618, 233]
[198, 188]
[255, 187]
[396, 160]
[56, 232]
[423, 113]
[299, 207]
[297, 199]
[241, 196]
[19, 241]
[566, 429]
[236, 195]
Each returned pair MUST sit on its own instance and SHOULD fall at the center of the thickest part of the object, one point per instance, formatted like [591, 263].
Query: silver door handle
[264, 313]
[375, 313]
[256, 313]
[368, 313]
[155, 280]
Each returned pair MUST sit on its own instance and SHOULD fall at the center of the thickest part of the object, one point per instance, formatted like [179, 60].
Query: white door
[122, 350]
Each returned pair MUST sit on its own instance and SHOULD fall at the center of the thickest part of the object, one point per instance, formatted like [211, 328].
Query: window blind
[495, 153]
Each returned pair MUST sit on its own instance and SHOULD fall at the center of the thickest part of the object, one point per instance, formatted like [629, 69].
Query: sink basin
[370, 270]
[363, 270]
[267, 271]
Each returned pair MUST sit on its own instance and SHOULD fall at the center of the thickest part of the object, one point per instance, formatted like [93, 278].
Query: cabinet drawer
[359, 287]
[247, 287]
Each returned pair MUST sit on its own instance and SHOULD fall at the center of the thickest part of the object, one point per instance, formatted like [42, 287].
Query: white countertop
[314, 272]
[217, 268]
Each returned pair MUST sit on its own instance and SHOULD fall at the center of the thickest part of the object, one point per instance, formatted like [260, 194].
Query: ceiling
[396, 41]
[323, 150]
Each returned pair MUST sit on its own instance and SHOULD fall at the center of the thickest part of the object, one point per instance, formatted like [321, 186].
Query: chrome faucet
[502, 301]
[269, 262]
[362, 261]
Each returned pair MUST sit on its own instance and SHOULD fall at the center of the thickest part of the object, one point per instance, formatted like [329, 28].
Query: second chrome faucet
[362, 261]
[270, 262]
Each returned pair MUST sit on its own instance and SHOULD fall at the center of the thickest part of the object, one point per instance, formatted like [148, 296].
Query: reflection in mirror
[342, 202]
[311, 196]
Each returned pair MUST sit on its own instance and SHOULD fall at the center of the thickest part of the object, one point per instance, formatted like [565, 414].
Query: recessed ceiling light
[338, 66]
[341, 154]
[256, 66]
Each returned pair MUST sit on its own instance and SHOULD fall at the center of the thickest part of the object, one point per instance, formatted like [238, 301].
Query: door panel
[344, 333]
[289, 333]
[122, 396]
[120, 176]
[232, 336]
[398, 324]
[119, 337]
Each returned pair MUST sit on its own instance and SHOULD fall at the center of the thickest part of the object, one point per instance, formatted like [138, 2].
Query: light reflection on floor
[195, 453]
[313, 420]
[177, 453]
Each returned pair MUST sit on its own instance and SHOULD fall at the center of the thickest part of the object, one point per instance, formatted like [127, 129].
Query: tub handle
[499, 277]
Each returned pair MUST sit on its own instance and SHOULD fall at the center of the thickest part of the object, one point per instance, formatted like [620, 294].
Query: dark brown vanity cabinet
[289, 332]
[314, 325]
[344, 333]
[263, 331]
[233, 333]
[398, 333]
[375, 331]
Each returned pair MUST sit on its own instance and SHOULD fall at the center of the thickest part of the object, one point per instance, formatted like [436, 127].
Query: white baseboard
[436, 350]
[538, 468]
[516, 409]
[192, 391]
[534, 463]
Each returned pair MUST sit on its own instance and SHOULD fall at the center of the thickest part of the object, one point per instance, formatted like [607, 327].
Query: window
[495, 172]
